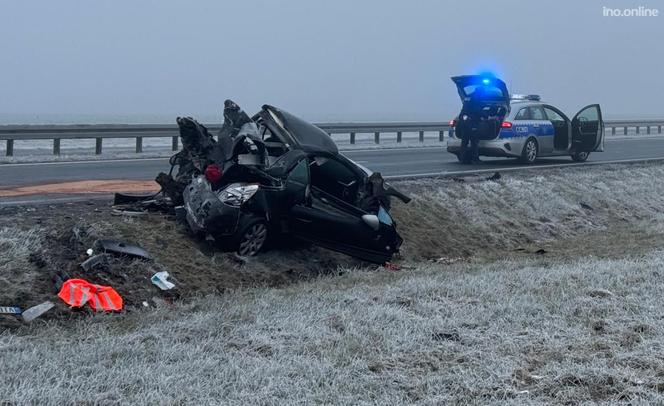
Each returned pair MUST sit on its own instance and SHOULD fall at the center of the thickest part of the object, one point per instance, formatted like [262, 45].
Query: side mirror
[372, 221]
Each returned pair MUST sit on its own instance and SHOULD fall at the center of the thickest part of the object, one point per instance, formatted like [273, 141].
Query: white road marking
[520, 168]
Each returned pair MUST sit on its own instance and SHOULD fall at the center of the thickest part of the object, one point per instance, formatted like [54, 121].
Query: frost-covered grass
[517, 331]
[447, 217]
[581, 323]
[16, 273]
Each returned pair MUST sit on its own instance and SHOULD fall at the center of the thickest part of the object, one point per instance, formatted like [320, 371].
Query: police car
[521, 126]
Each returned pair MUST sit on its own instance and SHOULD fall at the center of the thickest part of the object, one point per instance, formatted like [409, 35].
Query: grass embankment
[580, 322]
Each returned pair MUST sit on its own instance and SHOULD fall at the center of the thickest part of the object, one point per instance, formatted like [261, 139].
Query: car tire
[529, 152]
[458, 155]
[251, 238]
[580, 156]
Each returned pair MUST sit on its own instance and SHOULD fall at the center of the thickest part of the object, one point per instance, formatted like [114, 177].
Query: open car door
[588, 129]
[293, 169]
[332, 223]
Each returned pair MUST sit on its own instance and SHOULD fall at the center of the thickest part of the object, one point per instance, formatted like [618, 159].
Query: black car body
[297, 183]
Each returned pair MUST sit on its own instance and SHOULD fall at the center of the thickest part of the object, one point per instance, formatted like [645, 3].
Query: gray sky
[323, 60]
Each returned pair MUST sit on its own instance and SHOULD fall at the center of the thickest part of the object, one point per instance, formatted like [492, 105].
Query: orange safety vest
[78, 292]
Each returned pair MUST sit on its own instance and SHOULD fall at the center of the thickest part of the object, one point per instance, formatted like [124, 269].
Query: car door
[561, 128]
[293, 168]
[543, 130]
[336, 176]
[334, 224]
[588, 129]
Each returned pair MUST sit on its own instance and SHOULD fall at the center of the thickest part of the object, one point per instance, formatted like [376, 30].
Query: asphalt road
[401, 162]
[390, 162]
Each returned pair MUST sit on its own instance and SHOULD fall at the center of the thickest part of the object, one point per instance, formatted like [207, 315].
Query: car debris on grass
[265, 179]
[160, 280]
[36, 311]
[123, 249]
[13, 310]
[271, 175]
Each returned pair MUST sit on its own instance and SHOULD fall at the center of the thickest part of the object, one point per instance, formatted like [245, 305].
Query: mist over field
[110, 61]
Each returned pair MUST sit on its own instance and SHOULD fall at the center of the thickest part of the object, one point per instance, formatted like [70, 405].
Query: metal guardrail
[99, 132]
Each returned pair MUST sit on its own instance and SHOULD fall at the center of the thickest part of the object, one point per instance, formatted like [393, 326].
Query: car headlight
[236, 194]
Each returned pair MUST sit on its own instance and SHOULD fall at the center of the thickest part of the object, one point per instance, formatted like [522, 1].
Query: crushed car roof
[309, 137]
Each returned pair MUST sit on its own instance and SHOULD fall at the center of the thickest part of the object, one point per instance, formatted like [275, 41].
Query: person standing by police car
[470, 126]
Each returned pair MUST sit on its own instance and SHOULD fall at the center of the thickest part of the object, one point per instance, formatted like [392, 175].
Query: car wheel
[529, 153]
[580, 156]
[458, 155]
[252, 238]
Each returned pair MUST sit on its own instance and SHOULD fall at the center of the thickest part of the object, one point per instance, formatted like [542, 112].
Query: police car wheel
[529, 153]
[580, 156]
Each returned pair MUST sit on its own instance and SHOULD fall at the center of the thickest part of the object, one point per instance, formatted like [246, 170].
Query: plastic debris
[127, 212]
[36, 311]
[123, 248]
[94, 261]
[10, 310]
[600, 293]
[160, 279]
[391, 266]
[78, 292]
[89, 252]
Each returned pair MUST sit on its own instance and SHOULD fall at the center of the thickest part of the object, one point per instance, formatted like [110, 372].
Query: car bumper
[206, 213]
[495, 148]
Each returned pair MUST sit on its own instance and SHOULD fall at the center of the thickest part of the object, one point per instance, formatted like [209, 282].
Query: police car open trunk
[486, 102]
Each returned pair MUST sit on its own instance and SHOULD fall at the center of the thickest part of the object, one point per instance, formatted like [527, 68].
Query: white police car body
[528, 128]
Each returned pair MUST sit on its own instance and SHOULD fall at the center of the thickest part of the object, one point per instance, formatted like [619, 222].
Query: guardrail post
[613, 130]
[647, 129]
[377, 137]
[56, 146]
[625, 130]
[98, 142]
[398, 136]
[637, 129]
[421, 136]
[10, 148]
[441, 135]
[659, 129]
[174, 143]
[139, 144]
[352, 138]
[451, 132]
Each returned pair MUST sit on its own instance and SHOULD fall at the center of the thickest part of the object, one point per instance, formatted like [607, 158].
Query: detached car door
[588, 129]
[334, 224]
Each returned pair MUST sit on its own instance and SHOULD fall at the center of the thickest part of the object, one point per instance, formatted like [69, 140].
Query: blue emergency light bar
[530, 97]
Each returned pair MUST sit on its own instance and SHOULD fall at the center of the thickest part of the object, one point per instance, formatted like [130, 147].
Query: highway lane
[390, 162]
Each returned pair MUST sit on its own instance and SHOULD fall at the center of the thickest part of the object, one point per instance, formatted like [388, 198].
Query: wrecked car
[287, 177]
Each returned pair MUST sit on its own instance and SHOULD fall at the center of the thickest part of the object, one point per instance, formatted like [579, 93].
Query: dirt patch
[84, 186]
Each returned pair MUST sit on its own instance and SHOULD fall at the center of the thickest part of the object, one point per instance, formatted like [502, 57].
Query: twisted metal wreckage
[274, 174]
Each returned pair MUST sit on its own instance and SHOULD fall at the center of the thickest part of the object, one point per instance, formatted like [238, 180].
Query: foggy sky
[340, 60]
